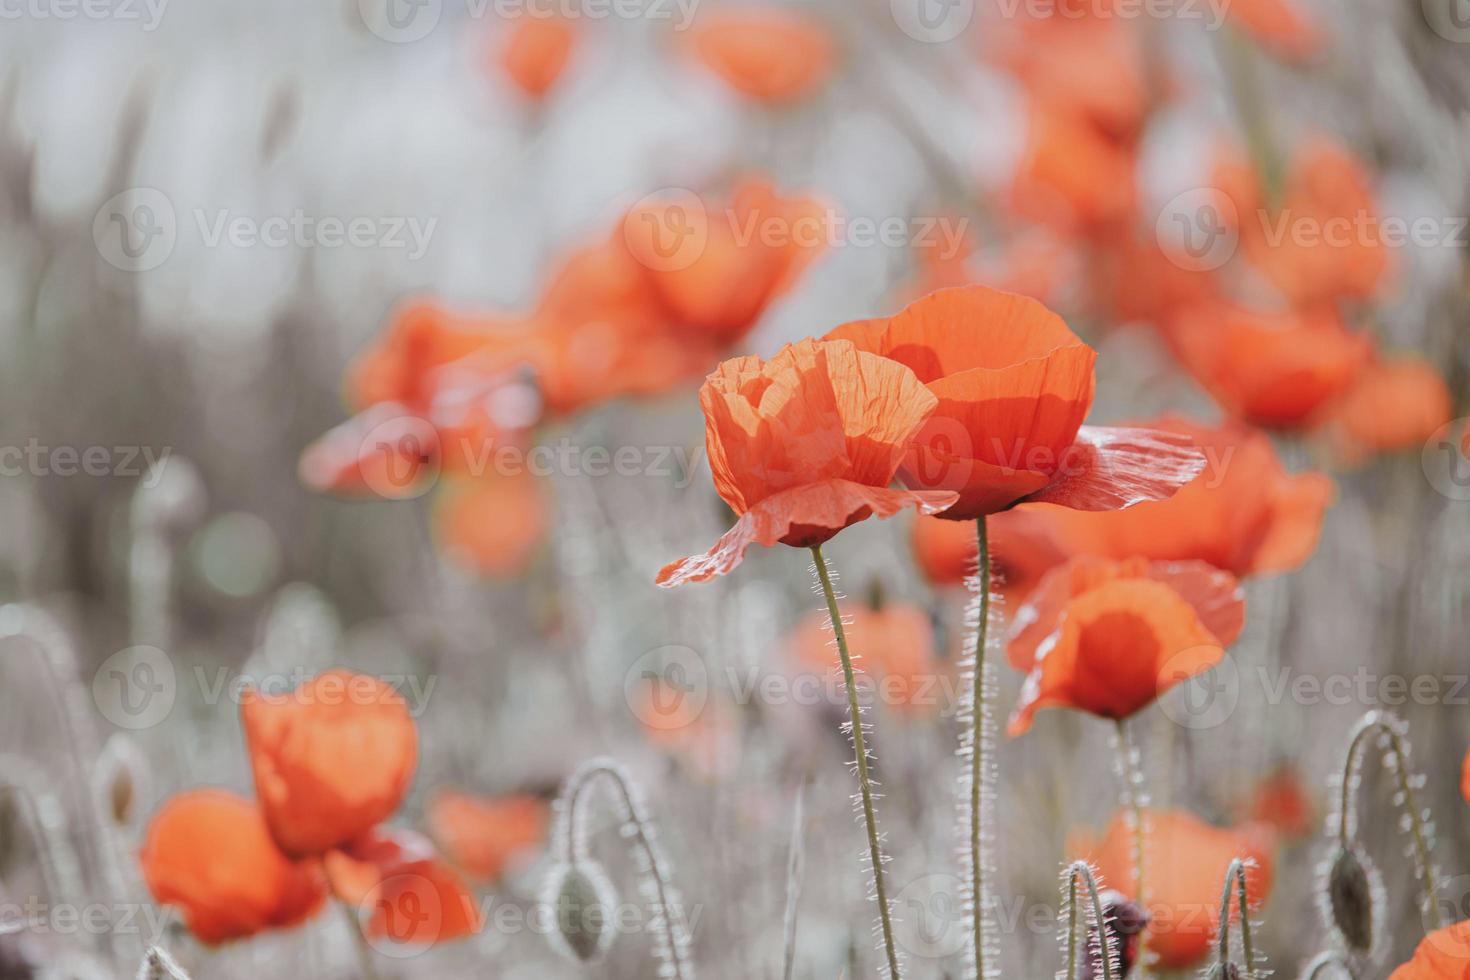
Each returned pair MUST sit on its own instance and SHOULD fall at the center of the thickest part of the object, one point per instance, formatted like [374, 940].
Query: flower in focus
[209, 853]
[805, 444]
[1244, 514]
[535, 52]
[1442, 955]
[332, 759]
[1013, 385]
[487, 836]
[1186, 860]
[412, 897]
[1396, 404]
[1110, 637]
[772, 55]
[896, 643]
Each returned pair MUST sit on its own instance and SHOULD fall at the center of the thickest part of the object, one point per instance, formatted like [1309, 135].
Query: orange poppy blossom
[1012, 385]
[535, 51]
[1109, 637]
[487, 836]
[1036, 263]
[415, 898]
[1282, 801]
[1276, 370]
[1397, 403]
[897, 645]
[1442, 955]
[1073, 175]
[805, 444]
[772, 55]
[1245, 513]
[491, 525]
[1280, 26]
[209, 853]
[1186, 860]
[1022, 549]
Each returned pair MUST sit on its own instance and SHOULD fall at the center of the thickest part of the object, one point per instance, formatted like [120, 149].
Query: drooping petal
[1110, 468]
[209, 853]
[800, 517]
[332, 759]
[402, 891]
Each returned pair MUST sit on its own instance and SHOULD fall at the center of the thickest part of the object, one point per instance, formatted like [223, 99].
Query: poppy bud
[1351, 898]
[1125, 921]
[158, 965]
[582, 899]
[121, 778]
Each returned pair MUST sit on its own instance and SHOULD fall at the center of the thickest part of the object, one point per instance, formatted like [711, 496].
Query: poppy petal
[402, 889]
[800, 517]
[1111, 468]
[486, 836]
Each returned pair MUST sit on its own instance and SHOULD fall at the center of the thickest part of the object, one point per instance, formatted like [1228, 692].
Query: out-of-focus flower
[1013, 384]
[1134, 280]
[1441, 955]
[895, 642]
[1397, 403]
[1283, 802]
[414, 897]
[1110, 637]
[332, 759]
[805, 444]
[1275, 370]
[1022, 549]
[1280, 26]
[1072, 175]
[487, 836]
[1186, 861]
[535, 50]
[701, 734]
[1035, 263]
[1244, 514]
[773, 55]
[492, 525]
[209, 853]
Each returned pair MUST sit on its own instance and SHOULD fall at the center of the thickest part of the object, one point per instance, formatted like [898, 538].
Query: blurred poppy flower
[701, 734]
[1186, 860]
[332, 759]
[492, 525]
[1109, 637]
[1244, 514]
[770, 54]
[1072, 175]
[1284, 803]
[535, 51]
[1280, 26]
[895, 643]
[486, 836]
[1035, 263]
[409, 894]
[1135, 280]
[1013, 384]
[1275, 370]
[1022, 549]
[1441, 955]
[209, 853]
[805, 444]
[1397, 403]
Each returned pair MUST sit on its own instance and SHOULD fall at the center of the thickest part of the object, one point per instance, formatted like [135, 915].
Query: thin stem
[855, 713]
[795, 865]
[978, 742]
[1243, 76]
[1083, 870]
[1235, 875]
[1130, 768]
[1388, 726]
[359, 942]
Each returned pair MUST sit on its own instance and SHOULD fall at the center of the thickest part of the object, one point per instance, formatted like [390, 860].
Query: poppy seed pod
[1350, 899]
[582, 899]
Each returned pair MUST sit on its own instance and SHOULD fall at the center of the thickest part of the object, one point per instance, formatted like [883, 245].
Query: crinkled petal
[1111, 468]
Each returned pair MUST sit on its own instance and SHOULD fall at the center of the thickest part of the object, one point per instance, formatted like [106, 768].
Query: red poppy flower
[1396, 404]
[1109, 637]
[1035, 263]
[1442, 955]
[1022, 549]
[1244, 513]
[1072, 175]
[332, 759]
[209, 853]
[1284, 803]
[1013, 385]
[896, 646]
[805, 444]
[494, 525]
[486, 836]
[1275, 370]
[410, 896]
[1186, 861]
[535, 52]
[769, 54]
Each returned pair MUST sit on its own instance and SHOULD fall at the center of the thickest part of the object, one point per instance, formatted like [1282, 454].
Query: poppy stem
[1083, 870]
[1235, 876]
[359, 942]
[979, 740]
[1391, 732]
[1130, 769]
[855, 714]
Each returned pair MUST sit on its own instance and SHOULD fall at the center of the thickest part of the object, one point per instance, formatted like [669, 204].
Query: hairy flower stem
[1235, 876]
[855, 713]
[1388, 726]
[1083, 870]
[1130, 768]
[978, 743]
